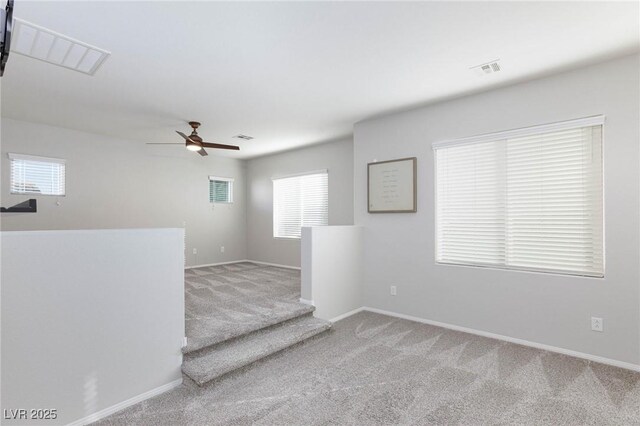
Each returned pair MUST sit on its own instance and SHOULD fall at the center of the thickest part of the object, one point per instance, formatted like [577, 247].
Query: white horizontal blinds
[287, 208]
[314, 194]
[554, 201]
[219, 191]
[37, 175]
[530, 202]
[299, 201]
[471, 204]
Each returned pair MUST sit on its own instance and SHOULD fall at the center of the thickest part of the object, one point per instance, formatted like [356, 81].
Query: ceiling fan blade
[220, 146]
[202, 152]
[185, 136]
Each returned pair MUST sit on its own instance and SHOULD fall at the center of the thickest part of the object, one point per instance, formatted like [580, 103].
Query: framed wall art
[391, 186]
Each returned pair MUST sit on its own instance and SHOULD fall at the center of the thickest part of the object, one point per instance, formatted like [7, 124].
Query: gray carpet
[227, 301]
[214, 362]
[377, 370]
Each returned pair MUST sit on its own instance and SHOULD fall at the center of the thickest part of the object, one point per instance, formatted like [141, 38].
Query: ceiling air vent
[49, 46]
[245, 137]
[488, 68]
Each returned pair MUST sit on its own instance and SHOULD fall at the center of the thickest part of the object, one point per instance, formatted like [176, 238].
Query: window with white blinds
[220, 190]
[300, 201]
[529, 199]
[37, 175]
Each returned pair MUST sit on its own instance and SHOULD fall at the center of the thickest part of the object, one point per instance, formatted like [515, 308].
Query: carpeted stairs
[240, 313]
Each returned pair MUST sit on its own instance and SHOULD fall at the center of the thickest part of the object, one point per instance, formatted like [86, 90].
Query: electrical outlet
[221, 249]
[195, 251]
[393, 290]
[597, 324]
[184, 342]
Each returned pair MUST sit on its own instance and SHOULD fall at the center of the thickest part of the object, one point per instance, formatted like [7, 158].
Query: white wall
[113, 183]
[337, 157]
[100, 319]
[543, 308]
[332, 269]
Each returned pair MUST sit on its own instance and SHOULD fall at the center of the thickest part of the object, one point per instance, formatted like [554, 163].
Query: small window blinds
[37, 175]
[220, 190]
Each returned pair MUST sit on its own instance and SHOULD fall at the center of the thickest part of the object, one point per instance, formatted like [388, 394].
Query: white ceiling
[289, 73]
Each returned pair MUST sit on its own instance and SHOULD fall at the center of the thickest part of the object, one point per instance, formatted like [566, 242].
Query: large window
[299, 201]
[529, 199]
[37, 175]
[220, 190]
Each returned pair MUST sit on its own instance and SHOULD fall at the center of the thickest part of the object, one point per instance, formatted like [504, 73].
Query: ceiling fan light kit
[193, 147]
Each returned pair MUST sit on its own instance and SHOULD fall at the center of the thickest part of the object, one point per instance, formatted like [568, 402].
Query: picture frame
[392, 186]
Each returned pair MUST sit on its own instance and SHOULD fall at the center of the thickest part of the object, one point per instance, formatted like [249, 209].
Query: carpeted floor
[376, 370]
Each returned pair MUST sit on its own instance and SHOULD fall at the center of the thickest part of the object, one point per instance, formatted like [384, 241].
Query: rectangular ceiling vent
[46, 45]
[245, 137]
[488, 68]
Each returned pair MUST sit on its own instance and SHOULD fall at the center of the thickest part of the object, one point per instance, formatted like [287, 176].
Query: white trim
[241, 261]
[569, 352]
[557, 272]
[222, 179]
[217, 264]
[348, 314]
[307, 302]
[124, 404]
[545, 128]
[274, 264]
[313, 172]
[26, 157]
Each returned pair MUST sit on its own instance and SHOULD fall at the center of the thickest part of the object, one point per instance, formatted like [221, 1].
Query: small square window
[220, 190]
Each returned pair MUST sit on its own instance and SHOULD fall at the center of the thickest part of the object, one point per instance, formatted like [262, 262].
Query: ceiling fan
[193, 142]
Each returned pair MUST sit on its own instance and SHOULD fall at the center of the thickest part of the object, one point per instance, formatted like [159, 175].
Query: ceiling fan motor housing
[194, 134]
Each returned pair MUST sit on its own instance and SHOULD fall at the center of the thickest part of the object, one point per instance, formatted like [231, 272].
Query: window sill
[32, 194]
[558, 273]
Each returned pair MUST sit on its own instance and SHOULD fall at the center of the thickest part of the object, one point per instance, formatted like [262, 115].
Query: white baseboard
[346, 315]
[124, 404]
[569, 352]
[241, 261]
[273, 264]
[216, 264]
[307, 302]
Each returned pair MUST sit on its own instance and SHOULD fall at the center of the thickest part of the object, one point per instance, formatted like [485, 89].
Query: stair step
[216, 361]
[217, 333]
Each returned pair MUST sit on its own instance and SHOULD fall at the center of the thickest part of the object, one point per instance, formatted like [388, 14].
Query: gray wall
[337, 157]
[90, 319]
[543, 308]
[114, 183]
